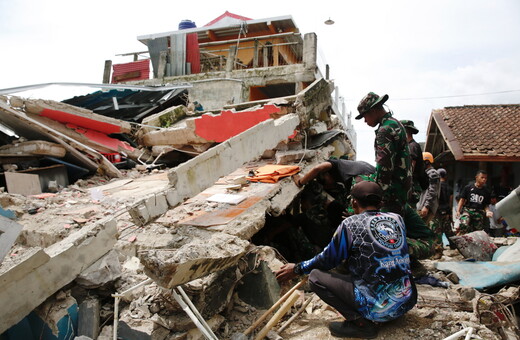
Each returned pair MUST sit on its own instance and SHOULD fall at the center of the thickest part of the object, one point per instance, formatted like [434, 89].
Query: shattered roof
[131, 105]
[480, 132]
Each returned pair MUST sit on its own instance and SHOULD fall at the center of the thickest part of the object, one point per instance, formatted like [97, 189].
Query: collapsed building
[131, 209]
[211, 126]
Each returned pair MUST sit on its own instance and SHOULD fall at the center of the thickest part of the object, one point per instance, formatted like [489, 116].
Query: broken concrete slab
[106, 269]
[212, 128]
[201, 172]
[32, 129]
[27, 285]
[164, 119]
[293, 156]
[200, 257]
[180, 134]
[34, 147]
[9, 231]
[98, 141]
[65, 113]
[149, 208]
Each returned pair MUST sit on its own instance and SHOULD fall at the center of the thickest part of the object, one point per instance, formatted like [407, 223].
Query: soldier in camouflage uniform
[394, 174]
[473, 205]
[419, 179]
[443, 220]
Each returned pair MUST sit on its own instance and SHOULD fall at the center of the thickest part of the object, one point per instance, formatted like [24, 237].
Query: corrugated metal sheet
[155, 46]
[133, 105]
[136, 70]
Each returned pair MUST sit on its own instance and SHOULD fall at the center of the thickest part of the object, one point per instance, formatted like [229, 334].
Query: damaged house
[464, 139]
[136, 212]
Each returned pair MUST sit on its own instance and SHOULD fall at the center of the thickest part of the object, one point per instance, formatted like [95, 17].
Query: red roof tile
[483, 130]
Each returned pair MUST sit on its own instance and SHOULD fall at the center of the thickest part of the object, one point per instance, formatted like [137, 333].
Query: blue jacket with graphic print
[373, 244]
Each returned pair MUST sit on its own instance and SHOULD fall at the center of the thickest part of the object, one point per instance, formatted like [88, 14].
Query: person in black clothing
[473, 205]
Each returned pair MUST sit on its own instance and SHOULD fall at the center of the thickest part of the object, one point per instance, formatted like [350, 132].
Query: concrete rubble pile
[62, 242]
[75, 249]
[69, 252]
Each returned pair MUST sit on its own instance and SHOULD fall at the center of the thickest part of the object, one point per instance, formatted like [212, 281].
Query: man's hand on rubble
[286, 272]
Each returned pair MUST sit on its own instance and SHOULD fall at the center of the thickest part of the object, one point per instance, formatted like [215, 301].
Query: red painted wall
[64, 117]
[228, 123]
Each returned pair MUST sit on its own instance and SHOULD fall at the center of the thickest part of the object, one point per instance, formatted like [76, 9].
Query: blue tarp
[483, 274]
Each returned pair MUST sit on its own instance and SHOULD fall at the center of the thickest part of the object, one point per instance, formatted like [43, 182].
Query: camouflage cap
[408, 124]
[370, 101]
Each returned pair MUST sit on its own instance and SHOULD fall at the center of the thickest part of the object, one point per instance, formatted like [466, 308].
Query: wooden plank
[22, 184]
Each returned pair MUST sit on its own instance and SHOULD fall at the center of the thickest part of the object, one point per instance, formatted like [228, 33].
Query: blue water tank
[185, 24]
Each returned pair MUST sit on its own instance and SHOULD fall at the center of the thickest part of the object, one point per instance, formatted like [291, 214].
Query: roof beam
[211, 35]
[271, 27]
[450, 139]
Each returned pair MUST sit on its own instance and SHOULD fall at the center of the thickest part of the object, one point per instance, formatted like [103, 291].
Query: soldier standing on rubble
[419, 178]
[378, 285]
[473, 205]
[394, 172]
[443, 220]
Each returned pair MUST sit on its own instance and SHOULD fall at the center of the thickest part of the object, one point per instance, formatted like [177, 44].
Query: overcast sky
[424, 54]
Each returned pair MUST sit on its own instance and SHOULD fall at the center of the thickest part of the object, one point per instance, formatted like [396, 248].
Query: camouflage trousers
[471, 220]
[442, 223]
[420, 239]
[420, 249]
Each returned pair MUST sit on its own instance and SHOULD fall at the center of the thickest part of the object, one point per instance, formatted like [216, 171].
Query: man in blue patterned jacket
[378, 286]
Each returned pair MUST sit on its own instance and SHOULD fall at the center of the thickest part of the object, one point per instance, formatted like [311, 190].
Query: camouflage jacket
[393, 164]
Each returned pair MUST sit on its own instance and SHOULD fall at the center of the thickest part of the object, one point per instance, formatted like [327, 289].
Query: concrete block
[139, 213]
[317, 128]
[88, 318]
[156, 205]
[172, 197]
[28, 261]
[150, 208]
[213, 292]
[67, 259]
[259, 288]
[289, 157]
[141, 330]
[199, 257]
[105, 270]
